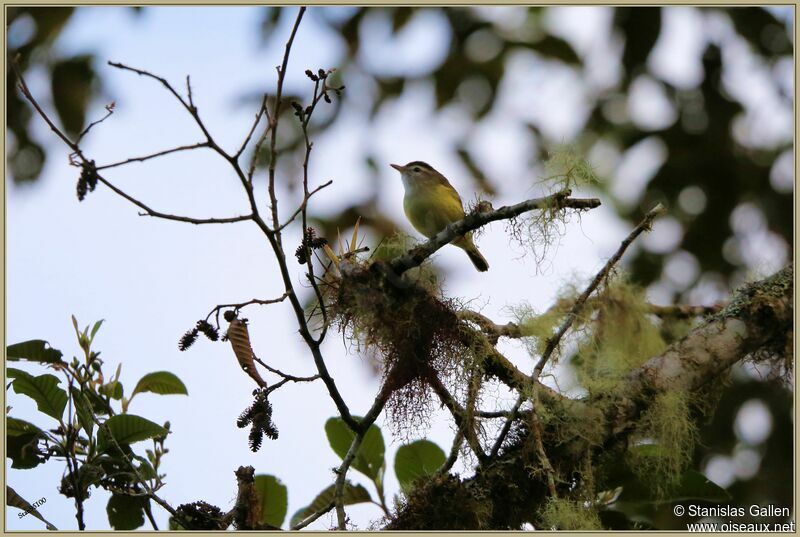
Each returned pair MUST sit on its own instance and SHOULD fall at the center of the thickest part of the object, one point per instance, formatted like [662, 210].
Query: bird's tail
[475, 256]
[478, 260]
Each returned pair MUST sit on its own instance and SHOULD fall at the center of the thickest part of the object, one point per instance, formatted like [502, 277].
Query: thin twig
[275, 117]
[153, 155]
[239, 305]
[304, 203]
[84, 132]
[261, 110]
[360, 433]
[311, 518]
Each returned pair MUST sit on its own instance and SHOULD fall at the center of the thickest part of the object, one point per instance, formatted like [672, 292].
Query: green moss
[443, 503]
[566, 168]
[622, 335]
[562, 514]
[663, 443]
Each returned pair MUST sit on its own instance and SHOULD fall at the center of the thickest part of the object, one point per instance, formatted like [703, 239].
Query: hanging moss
[562, 514]
[661, 448]
[622, 336]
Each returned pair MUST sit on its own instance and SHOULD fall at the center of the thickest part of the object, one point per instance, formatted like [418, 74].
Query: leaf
[693, 486]
[12, 373]
[15, 427]
[113, 389]
[35, 350]
[415, 460]
[350, 495]
[125, 512]
[43, 389]
[128, 428]
[72, 81]
[354, 238]
[370, 457]
[15, 500]
[23, 450]
[555, 47]
[83, 410]
[160, 382]
[95, 328]
[274, 499]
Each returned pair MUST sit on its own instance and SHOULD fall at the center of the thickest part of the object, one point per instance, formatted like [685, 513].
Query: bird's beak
[397, 167]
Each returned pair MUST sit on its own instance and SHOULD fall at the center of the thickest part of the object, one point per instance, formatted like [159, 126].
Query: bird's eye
[416, 169]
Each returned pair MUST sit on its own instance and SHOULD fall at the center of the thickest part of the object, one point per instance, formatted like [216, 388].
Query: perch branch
[474, 220]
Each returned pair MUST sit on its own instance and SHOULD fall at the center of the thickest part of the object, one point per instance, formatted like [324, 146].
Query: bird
[431, 203]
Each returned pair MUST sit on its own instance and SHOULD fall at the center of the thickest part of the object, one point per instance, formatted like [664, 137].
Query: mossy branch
[560, 200]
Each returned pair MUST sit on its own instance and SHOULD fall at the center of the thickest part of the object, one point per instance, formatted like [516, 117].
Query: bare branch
[153, 155]
[109, 111]
[302, 206]
[261, 111]
[313, 517]
[274, 119]
[474, 220]
[240, 305]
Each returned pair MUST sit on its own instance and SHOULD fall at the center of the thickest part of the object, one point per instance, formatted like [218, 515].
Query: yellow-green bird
[431, 203]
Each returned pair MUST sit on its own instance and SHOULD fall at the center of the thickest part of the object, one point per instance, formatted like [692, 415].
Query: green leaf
[370, 457]
[113, 389]
[415, 460]
[72, 82]
[350, 495]
[15, 500]
[15, 427]
[160, 382]
[13, 373]
[23, 450]
[95, 328]
[43, 389]
[35, 350]
[127, 428]
[274, 499]
[83, 410]
[555, 47]
[125, 512]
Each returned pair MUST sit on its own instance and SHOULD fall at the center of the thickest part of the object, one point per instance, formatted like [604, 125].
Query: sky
[150, 280]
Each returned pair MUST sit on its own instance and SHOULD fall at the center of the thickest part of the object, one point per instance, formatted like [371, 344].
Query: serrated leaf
[128, 428]
[50, 399]
[15, 500]
[370, 457]
[15, 427]
[125, 512]
[34, 350]
[415, 460]
[351, 494]
[160, 382]
[274, 499]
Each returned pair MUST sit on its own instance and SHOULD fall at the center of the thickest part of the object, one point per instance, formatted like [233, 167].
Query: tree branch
[560, 200]
[553, 341]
